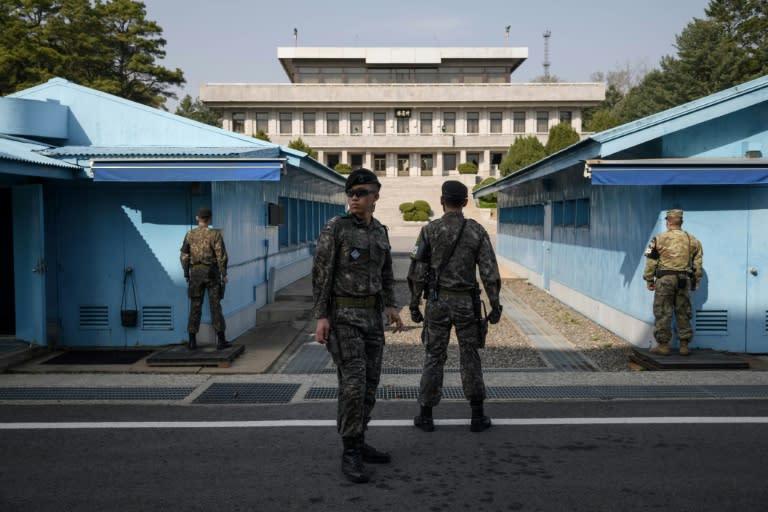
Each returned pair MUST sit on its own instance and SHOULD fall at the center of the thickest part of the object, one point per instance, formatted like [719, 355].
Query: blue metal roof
[629, 135]
[21, 150]
[163, 152]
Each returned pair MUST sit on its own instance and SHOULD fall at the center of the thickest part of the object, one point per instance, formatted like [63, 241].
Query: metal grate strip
[157, 318]
[105, 393]
[714, 322]
[248, 393]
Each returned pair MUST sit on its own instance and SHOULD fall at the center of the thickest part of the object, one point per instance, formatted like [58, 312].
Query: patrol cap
[453, 189]
[674, 214]
[362, 177]
[204, 213]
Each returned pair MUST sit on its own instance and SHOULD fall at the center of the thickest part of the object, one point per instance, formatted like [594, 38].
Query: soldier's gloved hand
[495, 315]
[416, 315]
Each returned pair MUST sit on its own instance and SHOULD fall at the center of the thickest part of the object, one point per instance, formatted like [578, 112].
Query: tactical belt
[679, 273]
[201, 265]
[368, 302]
[447, 291]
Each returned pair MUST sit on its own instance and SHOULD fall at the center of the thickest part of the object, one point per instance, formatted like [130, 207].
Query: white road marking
[507, 422]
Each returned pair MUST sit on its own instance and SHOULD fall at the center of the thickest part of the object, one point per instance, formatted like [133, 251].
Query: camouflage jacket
[352, 260]
[204, 246]
[673, 250]
[474, 250]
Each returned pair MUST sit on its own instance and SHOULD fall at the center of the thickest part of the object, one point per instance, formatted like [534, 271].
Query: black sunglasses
[360, 192]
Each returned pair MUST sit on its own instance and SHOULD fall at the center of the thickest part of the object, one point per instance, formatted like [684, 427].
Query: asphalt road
[566, 458]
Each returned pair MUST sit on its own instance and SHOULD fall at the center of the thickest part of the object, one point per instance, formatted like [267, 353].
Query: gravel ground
[506, 346]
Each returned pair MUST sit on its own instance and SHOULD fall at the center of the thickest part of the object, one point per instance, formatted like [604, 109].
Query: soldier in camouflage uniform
[353, 284]
[204, 260]
[673, 268]
[449, 279]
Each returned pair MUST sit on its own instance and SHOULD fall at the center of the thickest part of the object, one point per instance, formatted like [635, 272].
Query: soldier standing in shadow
[204, 260]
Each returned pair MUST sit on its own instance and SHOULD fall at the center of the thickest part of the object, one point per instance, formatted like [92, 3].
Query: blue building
[94, 188]
[577, 222]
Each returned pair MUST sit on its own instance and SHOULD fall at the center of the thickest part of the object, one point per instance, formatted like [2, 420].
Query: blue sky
[237, 40]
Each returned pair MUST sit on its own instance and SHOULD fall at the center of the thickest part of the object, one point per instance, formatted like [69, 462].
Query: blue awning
[682, 172]
[186, 170]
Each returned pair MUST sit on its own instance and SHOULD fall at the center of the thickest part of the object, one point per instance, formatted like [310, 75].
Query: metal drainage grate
[311, 358]
[107, 393]
[258, 393]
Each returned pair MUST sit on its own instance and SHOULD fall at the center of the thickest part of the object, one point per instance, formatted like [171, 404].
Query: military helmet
[454, 190]
[204, 213]
[362, 177]
[674, 214]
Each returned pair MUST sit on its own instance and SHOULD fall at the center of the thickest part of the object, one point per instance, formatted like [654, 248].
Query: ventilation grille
[157, 318]
[712, 322]
[94, 317]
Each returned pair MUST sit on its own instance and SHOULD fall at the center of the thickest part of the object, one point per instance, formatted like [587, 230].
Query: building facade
[402, 111]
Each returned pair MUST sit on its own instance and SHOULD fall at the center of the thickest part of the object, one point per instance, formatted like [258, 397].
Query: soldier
[352, 284]
[673, 268]
[204, 260]
[443, 263]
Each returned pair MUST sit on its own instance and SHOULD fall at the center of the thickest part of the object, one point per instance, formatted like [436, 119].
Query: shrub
[467, 168]
[420, 215]
[343, 168]
[407, 207]
[489, 200]
[522, 153]
[422, 206]
[560, 137]
[409, 215]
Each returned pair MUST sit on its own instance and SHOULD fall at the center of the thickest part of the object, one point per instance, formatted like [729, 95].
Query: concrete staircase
[403, 189]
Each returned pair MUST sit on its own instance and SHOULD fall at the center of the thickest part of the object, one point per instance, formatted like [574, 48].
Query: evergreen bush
[467, 168]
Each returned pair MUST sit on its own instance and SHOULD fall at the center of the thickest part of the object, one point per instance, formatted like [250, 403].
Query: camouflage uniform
[352, 281]
[668, 263]
[204, 260]
[453, 306]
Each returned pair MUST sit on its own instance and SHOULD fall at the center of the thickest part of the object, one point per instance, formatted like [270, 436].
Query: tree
[522, 153]
[602, 119]
[197, 111]
[300, 145]
[560, 137]
[262, 135]
[107, 45]
[488, 200]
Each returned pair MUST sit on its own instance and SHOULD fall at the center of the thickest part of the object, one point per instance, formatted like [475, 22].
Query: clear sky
[236, 40]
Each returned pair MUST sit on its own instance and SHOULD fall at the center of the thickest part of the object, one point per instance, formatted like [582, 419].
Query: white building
[402, 111]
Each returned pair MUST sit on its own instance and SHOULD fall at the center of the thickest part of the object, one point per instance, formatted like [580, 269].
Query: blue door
[756, 273]
[29, 263]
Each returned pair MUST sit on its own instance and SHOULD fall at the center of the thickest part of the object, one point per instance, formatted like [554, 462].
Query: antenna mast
[547, 35]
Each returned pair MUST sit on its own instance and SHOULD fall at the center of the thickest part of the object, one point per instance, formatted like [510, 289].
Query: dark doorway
[7, 294]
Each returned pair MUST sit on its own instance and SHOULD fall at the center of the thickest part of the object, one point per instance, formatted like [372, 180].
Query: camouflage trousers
[669, 300]
[441, 315]
[202, 278]
[357, 346]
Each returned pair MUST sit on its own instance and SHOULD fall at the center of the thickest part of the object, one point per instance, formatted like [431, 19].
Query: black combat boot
[374, 456]
[192, 344]
[424, 420]
[352, 461]
[222, 342]
[479, 421]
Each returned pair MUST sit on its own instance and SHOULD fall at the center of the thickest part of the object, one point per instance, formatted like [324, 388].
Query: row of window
[403, 161]
[303, 220]
[362, 75]
[426, 122]
[573, 212]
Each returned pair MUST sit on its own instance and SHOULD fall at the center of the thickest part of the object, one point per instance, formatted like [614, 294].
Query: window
[518, 122]
[286, 120]
[332, 159]
[542, 122]
[473, 122]
[356, 160]
[402, 124]
[474, 158]
[582, 212]
[380, 123]
[356, 123]
[425, 126]
[332, 123]
[427, 163]
[403, 165]
[308, 123]
[449, 122]
[495, 122]
[238, 122]
[262, 121]
[380, 163]
[449, 162]
[565, 117]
